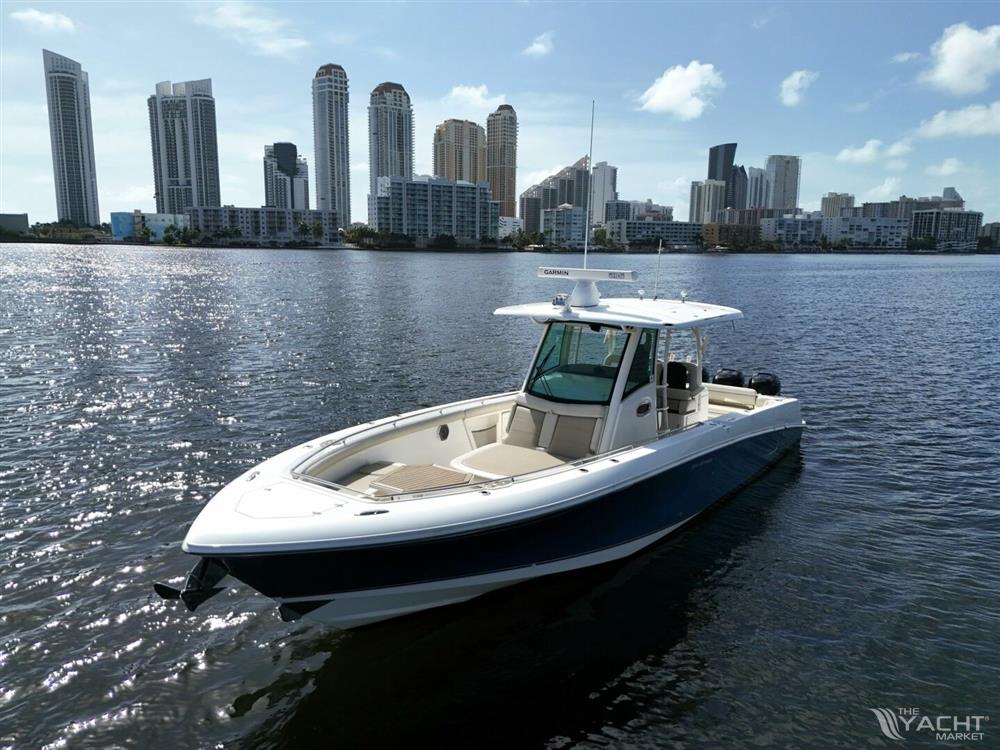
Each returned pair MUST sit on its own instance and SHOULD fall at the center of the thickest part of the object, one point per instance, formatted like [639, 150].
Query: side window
[641, 371]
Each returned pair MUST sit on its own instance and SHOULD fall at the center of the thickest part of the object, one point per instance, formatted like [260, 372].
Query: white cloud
[473, 97]
[42, 21]
[889, 188]
[905, 57]
[964, 59]
[871, 151]
[794, 87]
[540, 46]
[946, 168]
[386, 53]
[254, 26]
[899, 148]
[974, 120]
[683, 91]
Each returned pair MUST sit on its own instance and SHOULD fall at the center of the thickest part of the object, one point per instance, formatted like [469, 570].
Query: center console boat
[612, 442]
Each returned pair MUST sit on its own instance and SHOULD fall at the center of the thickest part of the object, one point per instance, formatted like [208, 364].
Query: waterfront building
[991, 231]
[648, 210]
[14, 223]
[833, 204]
[904, 206]
[508, 225]
[792, 230]
[424, 207]
[750, 215]
[185, 150]
[783, 176]
[286, 177]
[569, 185]
[390, 138]
[617, 209]
[330, 100]
[858, 231]
[952, 229]
[501, 157]
[265, 224]
[460, 151]
[649, 233]
[730, 235]
[757, 190]
[565, 225]
[71, 134]
[708, 197]
[604, 184]
[128, 225]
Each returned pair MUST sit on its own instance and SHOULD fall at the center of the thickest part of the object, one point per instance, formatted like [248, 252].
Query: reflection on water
[136, 381]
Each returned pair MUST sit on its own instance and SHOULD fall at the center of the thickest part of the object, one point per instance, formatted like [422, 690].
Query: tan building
[501, 158]
[730, 235]
[460, 151]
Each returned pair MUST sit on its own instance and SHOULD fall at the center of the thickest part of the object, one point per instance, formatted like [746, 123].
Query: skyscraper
[501, 157]
[185, 149]
[783, 181]
[736, 188]
[707, 199]
[72, 136]
[390, 138]
[332, 149]
[460, 151]
[604, 184]
[286, 177]
[756, 188]
[569, 185]
[720, 161]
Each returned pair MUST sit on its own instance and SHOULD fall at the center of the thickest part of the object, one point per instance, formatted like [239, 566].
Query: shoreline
[499, 250]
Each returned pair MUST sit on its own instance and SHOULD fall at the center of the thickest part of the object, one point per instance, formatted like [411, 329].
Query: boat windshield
[577, 363]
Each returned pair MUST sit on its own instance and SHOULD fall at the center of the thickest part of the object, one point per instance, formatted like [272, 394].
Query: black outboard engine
[726, 376]
[766, 383]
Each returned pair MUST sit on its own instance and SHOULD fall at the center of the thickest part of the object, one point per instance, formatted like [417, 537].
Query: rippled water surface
[862, 572]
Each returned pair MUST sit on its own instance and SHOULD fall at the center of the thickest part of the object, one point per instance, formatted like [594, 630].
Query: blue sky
[879, 99]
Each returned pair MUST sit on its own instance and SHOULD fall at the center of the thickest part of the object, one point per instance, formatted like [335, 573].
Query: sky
[879, 99]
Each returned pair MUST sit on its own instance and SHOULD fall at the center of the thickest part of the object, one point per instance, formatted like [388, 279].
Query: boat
[615, 440]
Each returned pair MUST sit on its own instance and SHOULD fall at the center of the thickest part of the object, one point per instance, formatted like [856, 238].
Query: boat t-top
[613, 441]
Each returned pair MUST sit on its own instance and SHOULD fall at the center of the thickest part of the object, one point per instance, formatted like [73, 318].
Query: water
[861, 572]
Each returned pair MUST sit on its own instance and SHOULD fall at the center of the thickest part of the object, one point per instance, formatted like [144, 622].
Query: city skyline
[884, 136]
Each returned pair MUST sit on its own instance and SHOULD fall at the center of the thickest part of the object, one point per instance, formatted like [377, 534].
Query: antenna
[590, 183]
[659, 257]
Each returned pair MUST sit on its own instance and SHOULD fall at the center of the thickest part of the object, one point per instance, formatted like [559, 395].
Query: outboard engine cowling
[766, 383]
[726, 376]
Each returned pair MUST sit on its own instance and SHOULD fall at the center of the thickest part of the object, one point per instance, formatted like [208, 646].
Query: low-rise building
[952, 229]
[860, 231]
[14, 223]
[991, 231]
[731, 235]
[265, 224]
[508, 225]
[129, 225]
[792, 231]
[425, 207]
[564, 226]
[671, 233]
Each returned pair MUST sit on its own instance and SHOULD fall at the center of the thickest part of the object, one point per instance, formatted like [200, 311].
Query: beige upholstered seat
[503, 460]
